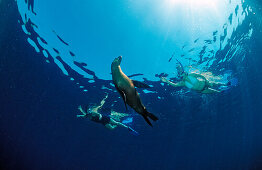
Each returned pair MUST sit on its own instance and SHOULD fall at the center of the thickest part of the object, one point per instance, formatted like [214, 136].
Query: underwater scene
[135, 84]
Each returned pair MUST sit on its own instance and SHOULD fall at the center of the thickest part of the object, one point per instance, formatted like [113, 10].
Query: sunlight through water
[149, 34]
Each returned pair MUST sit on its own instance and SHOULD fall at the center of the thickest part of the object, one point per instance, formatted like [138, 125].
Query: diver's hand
[82, 111]
[80, 108]
[163, 79]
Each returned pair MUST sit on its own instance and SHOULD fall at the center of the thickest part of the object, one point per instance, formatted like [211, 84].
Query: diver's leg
[210, 90]
[217, 84]
[113, 122]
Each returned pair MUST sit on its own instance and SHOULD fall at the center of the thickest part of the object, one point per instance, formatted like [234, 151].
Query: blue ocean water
[69, 65]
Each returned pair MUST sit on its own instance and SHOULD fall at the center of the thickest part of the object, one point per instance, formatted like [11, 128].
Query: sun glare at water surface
[199, 6]
[194, 3]
[153, 29]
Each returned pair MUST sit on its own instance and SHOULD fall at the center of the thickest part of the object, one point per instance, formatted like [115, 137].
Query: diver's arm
[81, 109]
[84, 114]
[179, 84]
[103, 102]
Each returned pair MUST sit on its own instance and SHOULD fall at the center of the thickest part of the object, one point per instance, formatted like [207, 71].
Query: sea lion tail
[147, 120]
[151, 116]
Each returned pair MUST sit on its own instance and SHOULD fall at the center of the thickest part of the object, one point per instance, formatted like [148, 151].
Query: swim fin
[128, 120]
[132, 131]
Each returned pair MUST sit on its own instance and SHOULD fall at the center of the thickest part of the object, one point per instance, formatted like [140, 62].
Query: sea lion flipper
[124, 98]
[123, 95]
[140, 84]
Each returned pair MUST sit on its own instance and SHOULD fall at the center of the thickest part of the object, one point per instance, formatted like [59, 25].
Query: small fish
[72, 54]
[56, 51]
[61, 39]
[208, 41]
[196, 40]
[138, 74]
[171, 57]
[215, 32]
[192, 49]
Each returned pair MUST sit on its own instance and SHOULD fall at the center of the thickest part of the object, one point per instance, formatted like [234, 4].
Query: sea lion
[126, 87]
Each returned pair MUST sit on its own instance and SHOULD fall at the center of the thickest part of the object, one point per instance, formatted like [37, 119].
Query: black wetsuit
[104, 120]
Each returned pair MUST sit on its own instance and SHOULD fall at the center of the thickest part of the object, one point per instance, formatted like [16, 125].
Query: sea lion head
[116, 62]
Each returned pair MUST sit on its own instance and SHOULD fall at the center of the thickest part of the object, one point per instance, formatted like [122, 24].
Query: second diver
[195, 81]
[107, 121]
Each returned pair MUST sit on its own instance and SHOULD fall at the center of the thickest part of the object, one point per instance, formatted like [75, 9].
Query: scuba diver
[107, 121]
[195, 81]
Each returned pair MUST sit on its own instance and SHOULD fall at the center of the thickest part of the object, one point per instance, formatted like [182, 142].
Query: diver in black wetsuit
[107, 121]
